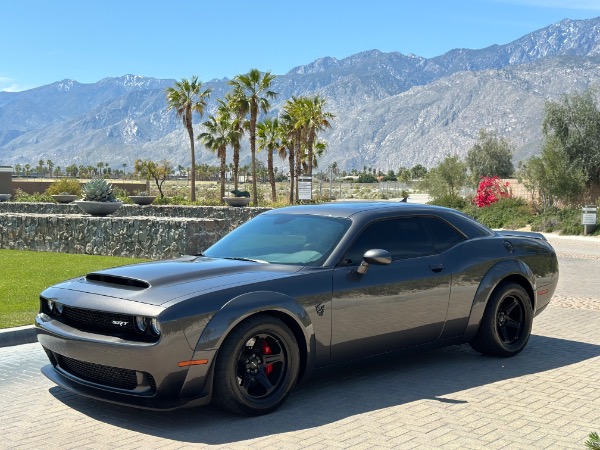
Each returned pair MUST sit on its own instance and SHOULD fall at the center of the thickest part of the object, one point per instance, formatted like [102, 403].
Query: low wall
[236, 216]
[49, 227]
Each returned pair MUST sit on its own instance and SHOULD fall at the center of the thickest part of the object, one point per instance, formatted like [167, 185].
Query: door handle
[436, 267]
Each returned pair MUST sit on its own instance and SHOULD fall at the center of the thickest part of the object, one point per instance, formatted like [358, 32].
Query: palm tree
[268, 133]
[252, 94]
[238, 124]
[286, 136]
[296, 123]
[317, 119]
[50, 167]
[216, 138]
[187, 97]
[40, 168]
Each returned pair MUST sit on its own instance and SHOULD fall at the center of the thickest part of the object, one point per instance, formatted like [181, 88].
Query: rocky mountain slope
[391, 109]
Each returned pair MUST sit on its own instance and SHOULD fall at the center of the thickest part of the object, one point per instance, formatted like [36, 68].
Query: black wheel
[257, 366]
[506, 323]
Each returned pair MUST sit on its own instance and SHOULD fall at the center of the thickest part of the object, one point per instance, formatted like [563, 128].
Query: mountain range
[391, 109]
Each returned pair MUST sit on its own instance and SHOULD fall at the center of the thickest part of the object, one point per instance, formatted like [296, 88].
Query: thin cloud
[9, 85]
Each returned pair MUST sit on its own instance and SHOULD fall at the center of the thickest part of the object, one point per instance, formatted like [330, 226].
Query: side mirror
[375, 256]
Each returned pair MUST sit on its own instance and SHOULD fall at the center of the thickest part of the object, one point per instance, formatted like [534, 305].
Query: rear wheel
[506, 324]
[257, 366]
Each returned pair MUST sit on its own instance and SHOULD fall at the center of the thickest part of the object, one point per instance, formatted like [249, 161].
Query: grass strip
[25, 274]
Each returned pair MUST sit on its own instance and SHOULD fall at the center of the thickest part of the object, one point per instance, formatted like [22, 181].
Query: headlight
[155, 327]
[140, 324]
[50, 304]
[59, 308]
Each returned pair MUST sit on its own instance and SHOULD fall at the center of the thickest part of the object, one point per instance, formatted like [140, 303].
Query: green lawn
[24, 274]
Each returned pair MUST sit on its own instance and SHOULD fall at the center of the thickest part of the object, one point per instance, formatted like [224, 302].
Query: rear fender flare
[494, 276]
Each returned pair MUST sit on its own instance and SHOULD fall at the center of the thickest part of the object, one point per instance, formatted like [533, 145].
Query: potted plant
[240, 198]
[64, 197]
[99, 199]
[142, 198]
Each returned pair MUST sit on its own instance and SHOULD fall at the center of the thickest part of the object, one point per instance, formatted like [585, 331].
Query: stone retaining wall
[62, 228]
[236, 216]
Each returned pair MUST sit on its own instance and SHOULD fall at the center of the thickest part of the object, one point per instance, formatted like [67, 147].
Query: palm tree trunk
[236, 165]
[223, 155]
[253, 118]
[271, 175]
[292, 174]
[191, 134]
[310, 141]
[297, 150]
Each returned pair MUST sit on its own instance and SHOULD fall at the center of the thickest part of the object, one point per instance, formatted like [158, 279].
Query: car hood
[160, 282]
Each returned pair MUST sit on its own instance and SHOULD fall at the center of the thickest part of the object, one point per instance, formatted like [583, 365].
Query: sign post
[588, 218]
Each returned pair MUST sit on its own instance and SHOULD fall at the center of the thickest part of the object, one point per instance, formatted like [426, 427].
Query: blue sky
[43, 41]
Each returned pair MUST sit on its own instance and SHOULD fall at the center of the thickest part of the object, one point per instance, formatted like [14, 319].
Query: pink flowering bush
[490, 190]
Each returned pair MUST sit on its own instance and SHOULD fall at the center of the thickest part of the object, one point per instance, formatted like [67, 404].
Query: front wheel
[506, 324]
[257, 366]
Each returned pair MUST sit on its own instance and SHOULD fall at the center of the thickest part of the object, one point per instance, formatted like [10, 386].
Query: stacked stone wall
[62, 228]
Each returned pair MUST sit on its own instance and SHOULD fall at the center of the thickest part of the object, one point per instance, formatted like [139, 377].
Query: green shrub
[511, 213]
[22, 196]
[65, 186]
[449, 201]
[122, 195]
[564, 221]
[593, 442]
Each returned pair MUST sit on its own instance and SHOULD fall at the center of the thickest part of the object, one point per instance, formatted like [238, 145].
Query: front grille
[104, 375]
[89, 320]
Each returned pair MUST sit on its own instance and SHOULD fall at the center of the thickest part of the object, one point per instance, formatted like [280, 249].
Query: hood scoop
[116, 280]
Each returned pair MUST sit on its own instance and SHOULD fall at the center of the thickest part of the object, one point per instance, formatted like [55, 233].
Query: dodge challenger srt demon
[289, 291]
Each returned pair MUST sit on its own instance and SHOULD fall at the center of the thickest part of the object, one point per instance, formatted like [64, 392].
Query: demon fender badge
[320, 309]
[119, 322]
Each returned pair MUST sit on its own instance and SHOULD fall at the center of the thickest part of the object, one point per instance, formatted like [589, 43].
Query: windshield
[282, 239]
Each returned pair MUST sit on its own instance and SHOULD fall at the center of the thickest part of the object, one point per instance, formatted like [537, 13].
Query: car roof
[349, 209]
[365, 211]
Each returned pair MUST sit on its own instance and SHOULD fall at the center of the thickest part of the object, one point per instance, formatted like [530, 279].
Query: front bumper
[138, 374]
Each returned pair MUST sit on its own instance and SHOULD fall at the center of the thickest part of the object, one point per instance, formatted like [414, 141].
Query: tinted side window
[443, 235]
[403, 238]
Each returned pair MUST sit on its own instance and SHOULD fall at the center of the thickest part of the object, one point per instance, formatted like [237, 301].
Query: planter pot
[98, 208]
[64, 198]
[4, 197]
[237, 201]
[142, 199]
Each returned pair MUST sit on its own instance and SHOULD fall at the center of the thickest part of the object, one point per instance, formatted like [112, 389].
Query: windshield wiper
[236, 258]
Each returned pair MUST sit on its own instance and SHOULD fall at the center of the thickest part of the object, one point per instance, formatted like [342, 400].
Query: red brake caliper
[266, 350]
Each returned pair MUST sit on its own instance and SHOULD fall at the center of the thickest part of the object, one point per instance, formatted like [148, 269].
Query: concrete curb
[17, 336]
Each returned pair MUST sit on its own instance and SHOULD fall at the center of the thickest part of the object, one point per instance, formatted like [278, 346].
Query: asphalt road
[546, 397]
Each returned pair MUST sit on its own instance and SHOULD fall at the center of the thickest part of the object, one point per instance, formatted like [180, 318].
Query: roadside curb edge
[17, 336]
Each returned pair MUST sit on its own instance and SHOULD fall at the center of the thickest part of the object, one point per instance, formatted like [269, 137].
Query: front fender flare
[494, 276]
[248, 304]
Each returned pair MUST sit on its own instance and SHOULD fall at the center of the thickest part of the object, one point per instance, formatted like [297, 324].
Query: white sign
[588, 216]
[305, 188]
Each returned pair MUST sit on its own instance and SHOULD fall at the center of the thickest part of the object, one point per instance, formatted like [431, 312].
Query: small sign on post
[304, 188]
[589, 218]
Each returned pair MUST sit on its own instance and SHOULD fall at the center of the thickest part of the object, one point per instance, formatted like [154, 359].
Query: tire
[506, 324]
[257, 366]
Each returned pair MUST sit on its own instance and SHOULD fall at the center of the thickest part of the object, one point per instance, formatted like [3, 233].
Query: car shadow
[345, 390]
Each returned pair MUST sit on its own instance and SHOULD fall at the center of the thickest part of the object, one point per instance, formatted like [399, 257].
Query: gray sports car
[291, 290]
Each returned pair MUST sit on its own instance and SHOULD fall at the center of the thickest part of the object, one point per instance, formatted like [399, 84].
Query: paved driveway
[546, 397]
